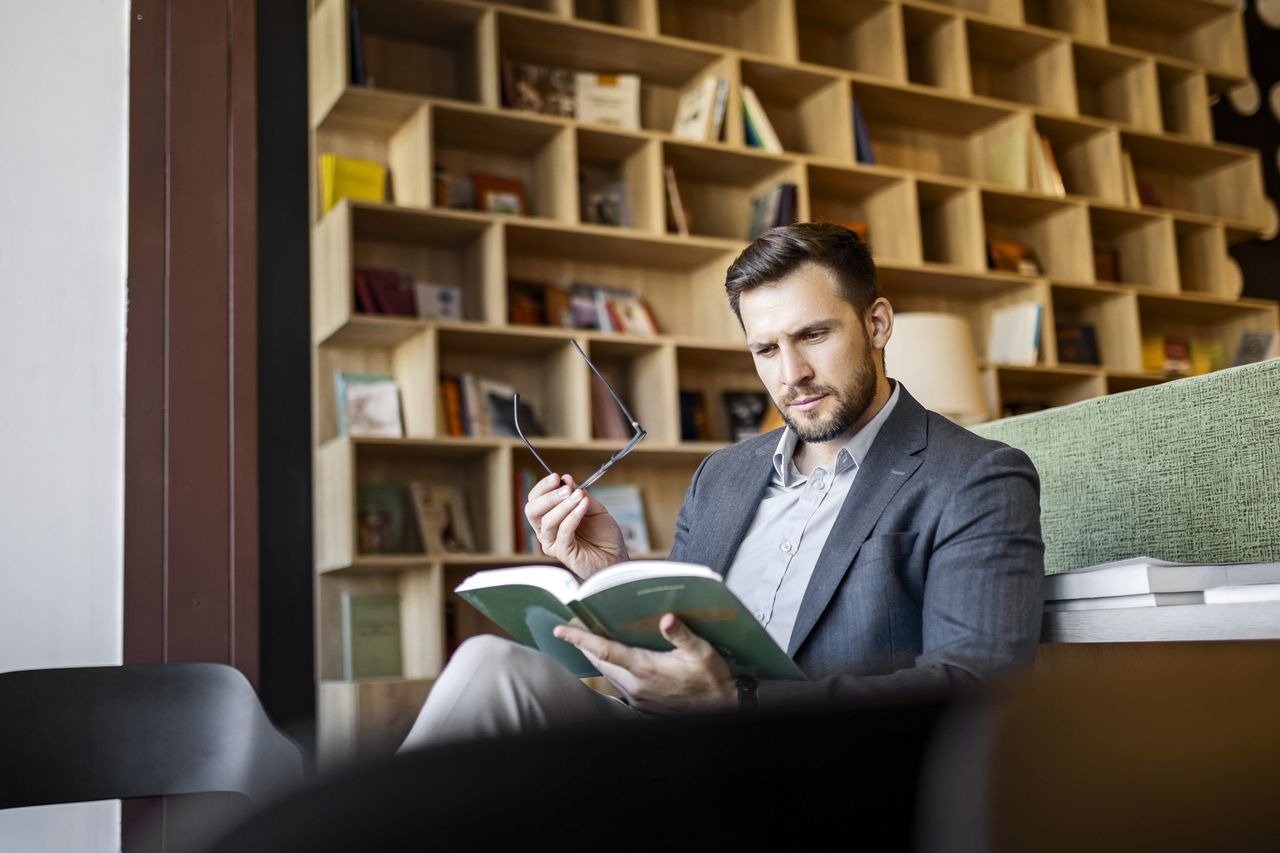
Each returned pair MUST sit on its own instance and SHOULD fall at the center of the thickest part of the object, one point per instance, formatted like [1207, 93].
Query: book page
[559, 582]
[638, 570]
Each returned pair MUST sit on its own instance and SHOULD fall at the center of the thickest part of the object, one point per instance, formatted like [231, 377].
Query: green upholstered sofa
[1188, 471]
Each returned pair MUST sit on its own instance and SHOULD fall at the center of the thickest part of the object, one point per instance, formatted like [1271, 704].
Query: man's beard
[851, 402]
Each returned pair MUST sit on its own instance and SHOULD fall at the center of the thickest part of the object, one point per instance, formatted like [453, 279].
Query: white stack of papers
[1150, 582]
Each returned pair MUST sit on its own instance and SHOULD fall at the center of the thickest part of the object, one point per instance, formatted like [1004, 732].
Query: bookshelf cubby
[1117, 86]
[953, 95]
[1014, 64]
[934, 45]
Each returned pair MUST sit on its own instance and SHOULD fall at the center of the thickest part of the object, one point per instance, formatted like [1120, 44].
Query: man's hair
[779, 252]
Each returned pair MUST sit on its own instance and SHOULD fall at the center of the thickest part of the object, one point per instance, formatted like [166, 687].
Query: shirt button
[759, 616]
[820, 485]
[786, 546]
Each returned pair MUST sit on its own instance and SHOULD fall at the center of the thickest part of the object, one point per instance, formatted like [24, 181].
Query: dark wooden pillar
[191, 455]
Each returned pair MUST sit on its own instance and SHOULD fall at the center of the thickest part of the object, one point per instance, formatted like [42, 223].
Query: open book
[624, 603]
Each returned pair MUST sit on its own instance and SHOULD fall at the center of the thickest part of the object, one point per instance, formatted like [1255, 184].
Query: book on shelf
[359, 75]
[497, 399]
[1242, 594]
[1116, 602]
[677, 216]
[527, 303]
[437, 301]
[599, 98]
[1015, 334]
[526, 536]
[395, 294]
[483, 407]
[776, 206]
[695, 111]
[353, 178]
[694, 425]
[603, 199]
[532, 303]
[862, 150]
[1207, 355]
[624, 603]
[743, 411]
[1255, 345]
[756, 124]
[450, 405]
[380, 518]
[1044, 175]
[371, 636]
[1177, 355]
[624, 504]
[444, 524]
[454, 191]
[383, 291]
[1012, 256]
[1129, 180]
[499, 194]
[608, 99]
[1145, 575]
[1106, 264]
[368, 405]
[719, 109]
[1007, 160]
[1077, 343]
[540, 88]
[610, 309]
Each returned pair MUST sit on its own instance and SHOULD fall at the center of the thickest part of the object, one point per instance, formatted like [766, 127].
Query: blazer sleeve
[983, 592]
[682, 549]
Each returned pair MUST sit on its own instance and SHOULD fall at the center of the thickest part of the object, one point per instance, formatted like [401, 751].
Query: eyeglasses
[630, 445]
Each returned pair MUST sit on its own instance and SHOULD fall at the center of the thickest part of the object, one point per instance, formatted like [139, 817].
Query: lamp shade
[932, 354]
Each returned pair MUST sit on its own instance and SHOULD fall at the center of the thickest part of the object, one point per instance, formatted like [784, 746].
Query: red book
[392, 293]
[364, 294]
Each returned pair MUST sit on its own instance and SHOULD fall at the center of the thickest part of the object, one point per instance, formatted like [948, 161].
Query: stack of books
[1150, 582]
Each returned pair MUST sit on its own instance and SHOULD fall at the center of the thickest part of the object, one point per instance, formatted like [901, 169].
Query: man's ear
[880, 323]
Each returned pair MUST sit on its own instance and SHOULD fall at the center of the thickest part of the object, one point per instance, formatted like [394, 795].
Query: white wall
[63, 203]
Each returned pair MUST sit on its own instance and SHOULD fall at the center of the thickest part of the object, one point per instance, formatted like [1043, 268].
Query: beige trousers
[493, 686]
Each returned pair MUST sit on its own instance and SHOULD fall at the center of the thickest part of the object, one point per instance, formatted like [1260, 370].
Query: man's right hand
[573, 527]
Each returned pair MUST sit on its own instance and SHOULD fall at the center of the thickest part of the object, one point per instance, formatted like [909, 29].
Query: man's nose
[795, 369]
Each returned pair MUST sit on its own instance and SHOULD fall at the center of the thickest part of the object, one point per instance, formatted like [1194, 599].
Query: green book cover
[371, 635]
[380, 518]
[625, 602]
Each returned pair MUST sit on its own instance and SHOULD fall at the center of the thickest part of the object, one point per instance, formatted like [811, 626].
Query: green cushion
[1188, 471]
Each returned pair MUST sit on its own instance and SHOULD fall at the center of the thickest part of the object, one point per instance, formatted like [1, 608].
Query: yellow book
[1207, 356]
[347, 177]
[1153, 353]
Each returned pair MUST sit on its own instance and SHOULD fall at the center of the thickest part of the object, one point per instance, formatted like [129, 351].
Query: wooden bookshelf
[951, 93]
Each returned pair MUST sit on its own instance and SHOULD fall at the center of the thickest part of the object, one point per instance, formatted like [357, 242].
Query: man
[884, 547]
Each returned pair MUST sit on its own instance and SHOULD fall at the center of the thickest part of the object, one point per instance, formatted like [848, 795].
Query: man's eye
[765, 352]
[815, 336]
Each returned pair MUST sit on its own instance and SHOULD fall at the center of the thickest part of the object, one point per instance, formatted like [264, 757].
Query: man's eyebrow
[798, 333]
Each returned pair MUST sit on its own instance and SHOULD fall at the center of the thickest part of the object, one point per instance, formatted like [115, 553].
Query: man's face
[812, 352]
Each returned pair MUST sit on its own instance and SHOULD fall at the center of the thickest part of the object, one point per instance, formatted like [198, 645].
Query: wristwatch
[746, 693]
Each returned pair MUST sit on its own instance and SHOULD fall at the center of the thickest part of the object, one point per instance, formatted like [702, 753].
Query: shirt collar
[850, 455]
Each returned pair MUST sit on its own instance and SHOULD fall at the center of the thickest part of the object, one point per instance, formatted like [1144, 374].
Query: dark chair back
[147, 730]
[776, 780]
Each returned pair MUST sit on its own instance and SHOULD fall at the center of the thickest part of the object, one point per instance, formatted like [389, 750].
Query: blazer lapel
[740, 505]
[888, 465]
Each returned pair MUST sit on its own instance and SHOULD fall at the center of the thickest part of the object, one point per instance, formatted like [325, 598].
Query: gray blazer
[931, 576]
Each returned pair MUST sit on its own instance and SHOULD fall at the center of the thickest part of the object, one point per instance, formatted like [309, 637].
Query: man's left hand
[690, 677]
